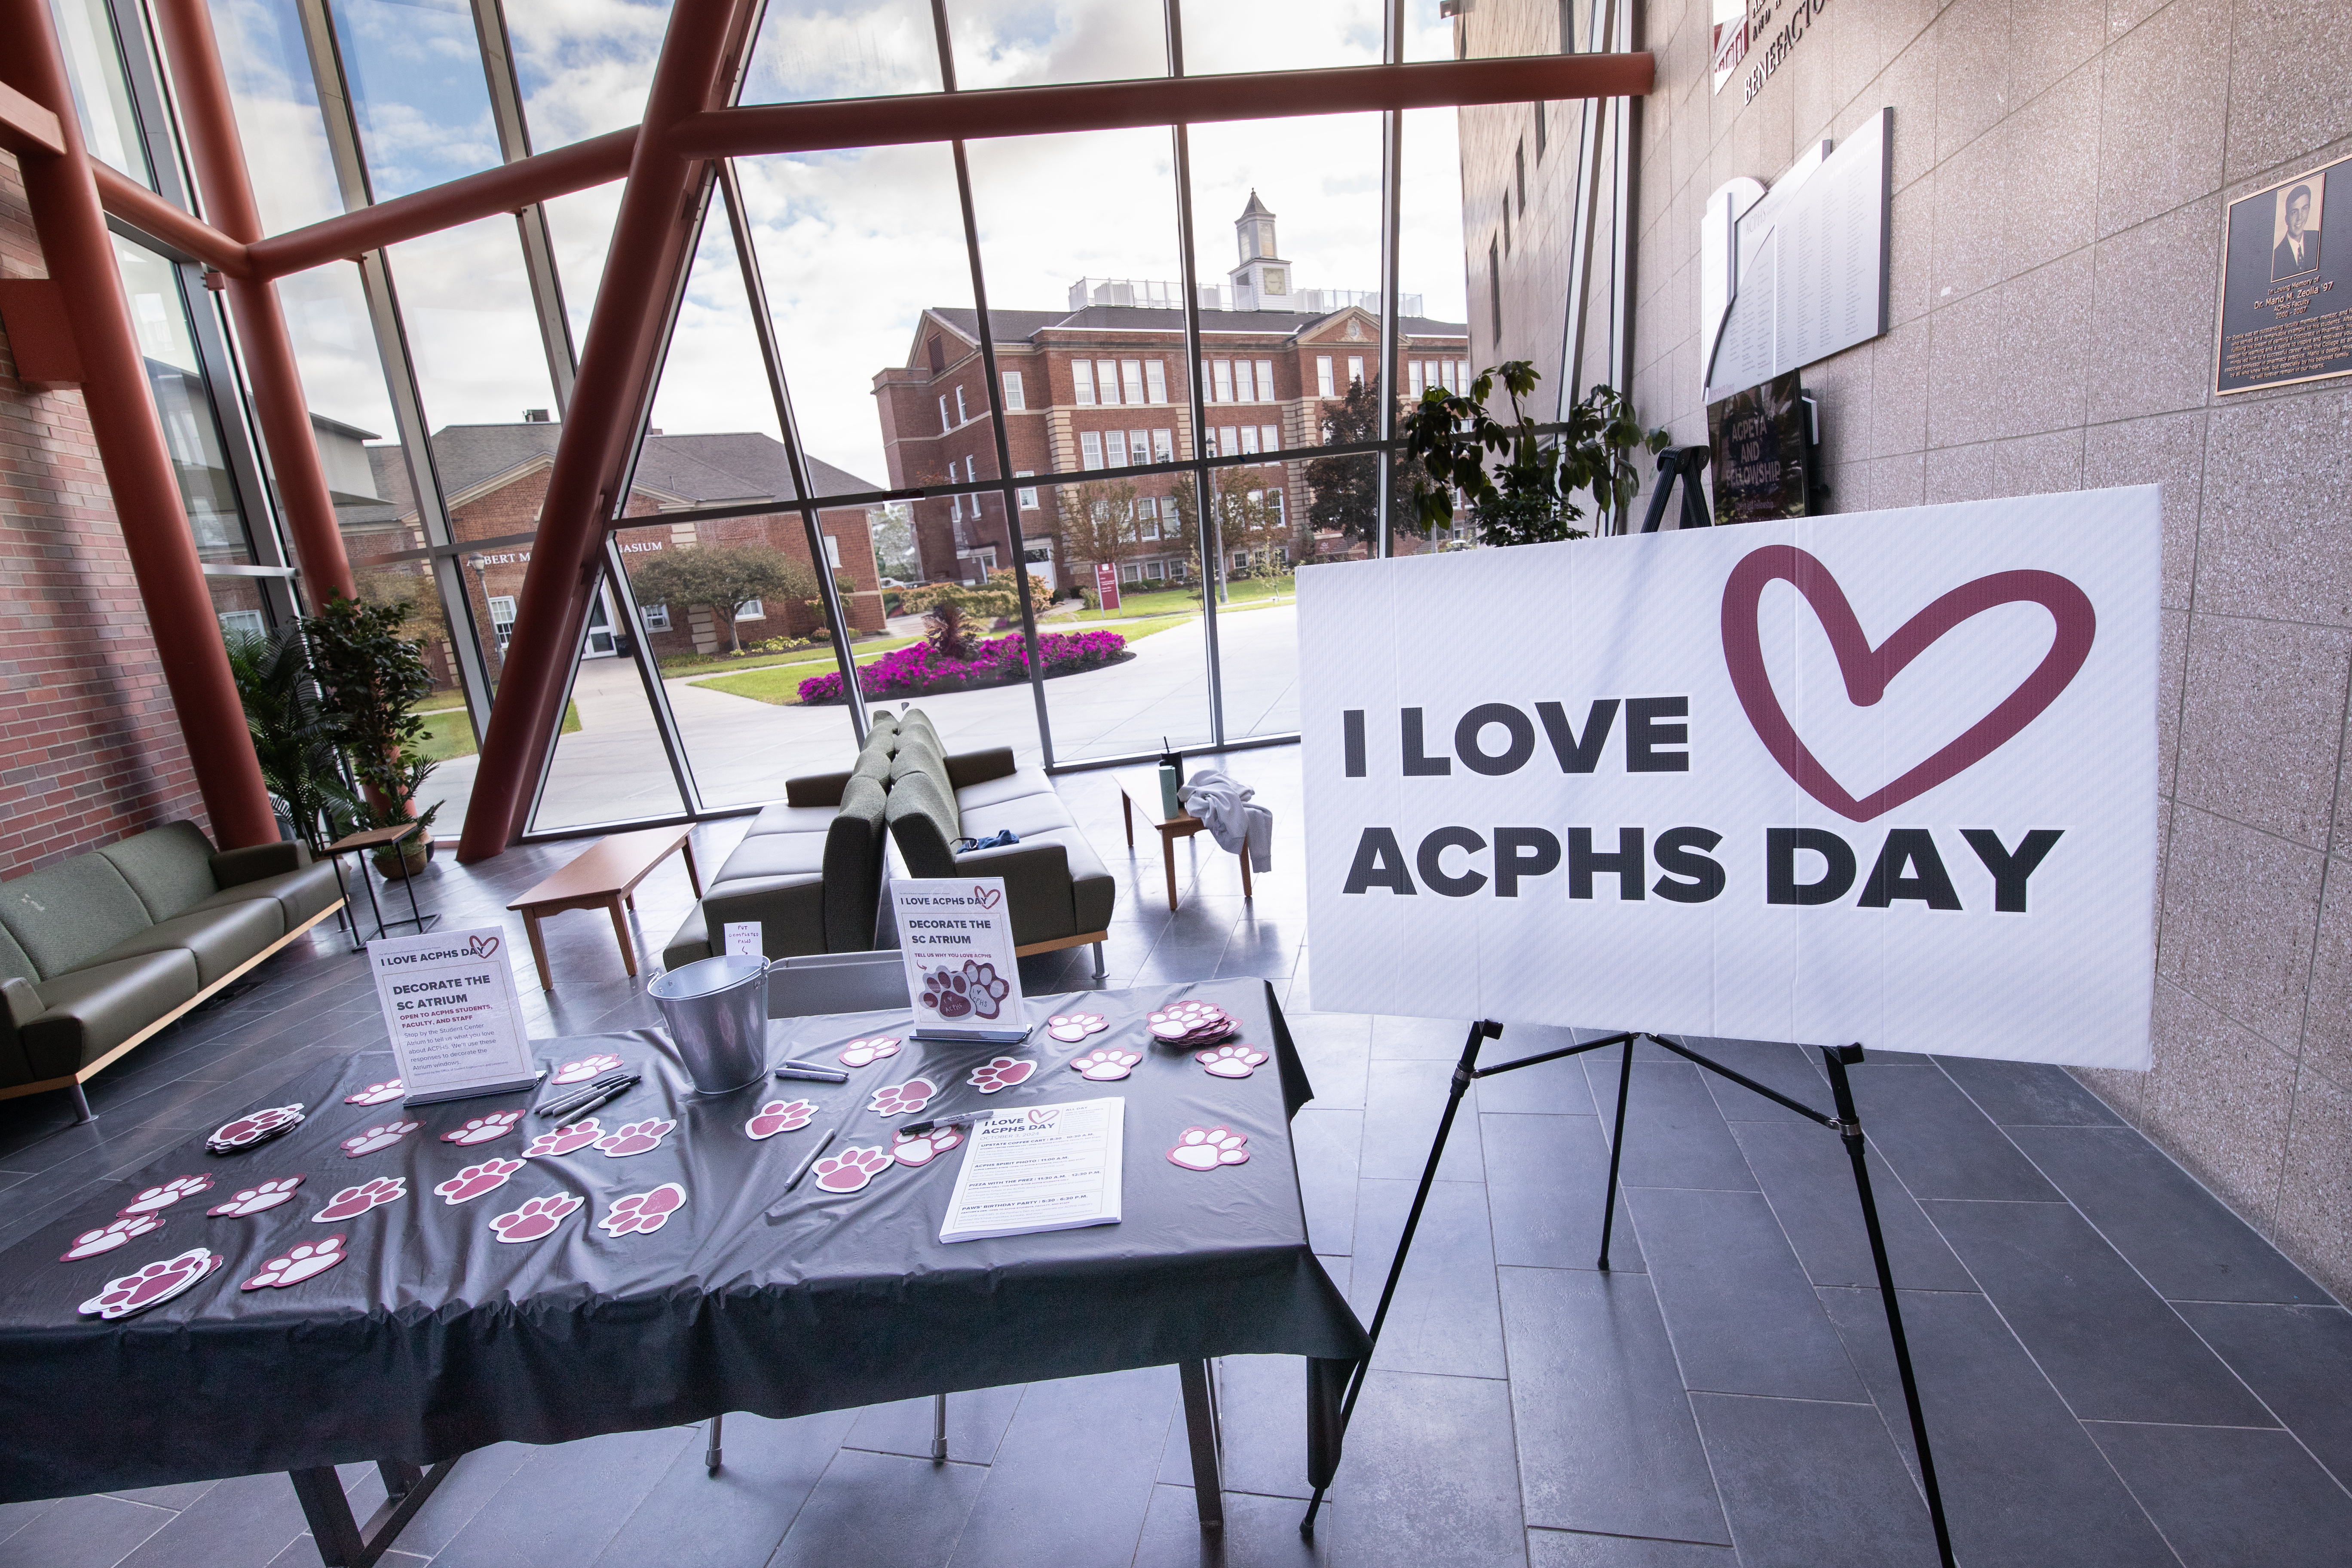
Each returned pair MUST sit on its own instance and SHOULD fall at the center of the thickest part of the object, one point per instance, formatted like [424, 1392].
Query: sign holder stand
[1846, 1124]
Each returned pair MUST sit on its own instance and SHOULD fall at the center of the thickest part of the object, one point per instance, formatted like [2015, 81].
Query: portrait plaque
[2283, 317]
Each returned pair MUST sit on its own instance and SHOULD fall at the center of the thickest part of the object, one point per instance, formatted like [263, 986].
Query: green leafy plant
[371, 677]
[293, 735]
[948, 629]
[723, 579]
[1528, 496]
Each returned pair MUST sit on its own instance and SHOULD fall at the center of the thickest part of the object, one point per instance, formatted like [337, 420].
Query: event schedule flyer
[1049, 1167]
[448, 1000]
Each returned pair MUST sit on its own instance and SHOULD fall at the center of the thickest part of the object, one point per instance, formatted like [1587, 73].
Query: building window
[1028, 494]
[1506, 223]
[1155, 570]
[1089, 449]
[654, 617]
[1323, 387]
[1221, 377]
[751, 610]
[1494, 287]
[960, 415]
[1520, 172]
[985, 559]
[1228, 441]
[832, 550]
[1462, 372]
[945, 423]
[1543, 113]
[1163, 445]
[1107, 381]
[1249, 438]
[1147, 518]
[502, 618]
[1355, 370]
[1243, 391]
[1128, 572]
[242, 624]
[1269, 437]
[1139, 446]
[1130, 378]
[1013, 399]
[1114, 448]
[1082, 373]
[1265, 381]
[1155, 381]
[1413, 383]
[972, 475]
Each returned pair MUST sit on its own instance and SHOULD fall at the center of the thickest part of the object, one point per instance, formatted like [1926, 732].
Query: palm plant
[293, 735]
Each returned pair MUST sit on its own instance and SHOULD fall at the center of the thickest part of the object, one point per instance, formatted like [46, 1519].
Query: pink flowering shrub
[919, 668]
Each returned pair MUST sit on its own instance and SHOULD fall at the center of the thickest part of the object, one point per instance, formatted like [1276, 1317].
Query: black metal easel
[1683, 463]
[1846, 1124]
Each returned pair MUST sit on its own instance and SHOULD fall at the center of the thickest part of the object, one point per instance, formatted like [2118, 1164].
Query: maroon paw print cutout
[257, 1199]
[986, 988]
[779, 1116]
[107, 1237]
[1071, 1027]
[254, 1127]
[353, 1201]
[585, 1068]
[152, 1285]
[904, 1099]
[1107, 1065]
[637, 1213]
[382, 1093]
[859, 1053]
[635, 1138]
[306, 1261]
[482, 1128]
[925, 1147]
[851, 1169]
[475, 1179]
[537, 1217]
[376, 1138]
[1230, 1061]
[1002, 1073]
[947, 993]
[563, 1140]
[156, 1199]
[1206, 1148]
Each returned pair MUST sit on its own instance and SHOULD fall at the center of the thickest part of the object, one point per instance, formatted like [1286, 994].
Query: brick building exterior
[1104, 384]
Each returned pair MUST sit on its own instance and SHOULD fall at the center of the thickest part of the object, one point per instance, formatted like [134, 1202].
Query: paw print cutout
[306, 1261]
[1004, 1072]
[1206, 1148]
[858, 1053]
[156, 1199]
[925, 1147]
[254, 1127]
[376, 1138]
[353, 1201]
[1071, 1027]
[637, 1213]
[107, 1237]
[947, 993]
[152, 1285]
[257, 1199]
[1107, 1065]
[537, 1217]
[1230, 1061]
[986, 988]
[482, 1128]
[563, 1140]
[475, 1179]
[382, 1093]
[904, 1099]
[585, 1068]
[851, 1169]
[635, 1138]
[779, 1116]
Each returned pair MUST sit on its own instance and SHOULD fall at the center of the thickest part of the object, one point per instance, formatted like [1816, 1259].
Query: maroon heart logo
[1867, 670]
[481, 946]
[989, 897]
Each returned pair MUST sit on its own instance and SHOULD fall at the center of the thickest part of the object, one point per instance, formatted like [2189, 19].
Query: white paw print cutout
[157, 1198]
[634, 1213]
[257, 1199]
[1071, 1027]
[536, 1218]
[1206, 1148]
[308, 1261]
[584, 1068]
[563, 1140]
[1230, 1061]
[355, 1201]
[925, 1147]
[634, 1137]
[107, 1237]
[1002, 1072]
[905, 1099]
[851, 1169]
[375, 1138]
[779, 1116]
[382, 1093]
[482, 1128]
[860, 1053]
[475, 1179]
[254, 1127]
[153, 1286]
[1107, 1065]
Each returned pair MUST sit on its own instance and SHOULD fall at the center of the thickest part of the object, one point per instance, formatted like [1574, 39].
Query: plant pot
[396, 862]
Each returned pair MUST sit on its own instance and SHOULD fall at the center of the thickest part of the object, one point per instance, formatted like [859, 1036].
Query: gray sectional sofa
[99, 952]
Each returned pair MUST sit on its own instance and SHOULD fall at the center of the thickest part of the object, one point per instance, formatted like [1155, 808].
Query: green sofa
[100, 952]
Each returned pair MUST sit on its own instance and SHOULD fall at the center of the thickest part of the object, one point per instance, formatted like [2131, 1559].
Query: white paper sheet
[1047, 1167]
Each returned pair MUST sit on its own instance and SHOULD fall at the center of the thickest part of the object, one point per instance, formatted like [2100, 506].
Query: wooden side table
[604, 877]
[1139, 791]
[378, 838]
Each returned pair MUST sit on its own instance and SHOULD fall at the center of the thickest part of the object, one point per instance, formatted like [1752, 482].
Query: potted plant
[371, 677]
[293, 737]
[1451, 434]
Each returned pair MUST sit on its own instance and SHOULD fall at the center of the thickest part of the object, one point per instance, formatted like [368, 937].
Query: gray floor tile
[240, 1523]
[2028, 1094]
[1546, 1177]
[768, 1469]
[1419, 1039]
[976, 1422]
[1937, 1138]
[1743, 1316]
[1606, 1442]
[2298, 1360]
[1401, 1116]
[2230, 1499]
[1336, 1050]
[477, 1478]
[1791, 1069]
[1429, 1477]
[882, 1511]
[1326, 1143]
[565, 1502]
[82, 1533]
[1808, 1176]
[1258, 1532]
[1563, 1549]
[1262, 1420]
[1674, 1136]
[16, 1516]
[1444, 1317]
[1813, 1485]
[1555, 1088]
[1075, 1467]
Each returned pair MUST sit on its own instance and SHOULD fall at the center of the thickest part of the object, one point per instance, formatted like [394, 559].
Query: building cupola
[1262, 281]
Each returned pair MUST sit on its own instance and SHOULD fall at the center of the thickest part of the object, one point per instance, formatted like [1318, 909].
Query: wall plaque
[1760, 454]
[2285, 318]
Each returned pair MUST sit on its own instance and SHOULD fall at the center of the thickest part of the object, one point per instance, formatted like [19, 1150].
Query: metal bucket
[717, 1010]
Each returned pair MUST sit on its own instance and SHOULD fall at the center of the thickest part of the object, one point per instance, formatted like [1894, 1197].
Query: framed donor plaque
[1762, 452]
[2286, 283]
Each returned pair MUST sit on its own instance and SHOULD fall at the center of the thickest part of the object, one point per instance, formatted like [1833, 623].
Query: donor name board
[1886, 777]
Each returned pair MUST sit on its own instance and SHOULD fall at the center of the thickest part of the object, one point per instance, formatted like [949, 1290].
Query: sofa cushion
[790, 910]
[792, 819]
[221, 938]
[255, 861]
[170, 868]
[96, 1008]
[691, 943]
[966, 769]
[922, 763]
[1027, 815]
[298, 894]
[774, 855]
[915, 721]
[1093, 894]
[922, 824]
[1012, 786]
[853, 868]
[65, 915]
[15, 963]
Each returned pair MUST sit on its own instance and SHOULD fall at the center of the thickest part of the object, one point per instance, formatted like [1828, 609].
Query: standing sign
[449, 1004]
[2289, 251]
[1107, 586]
[1884, 777]
[964, 978]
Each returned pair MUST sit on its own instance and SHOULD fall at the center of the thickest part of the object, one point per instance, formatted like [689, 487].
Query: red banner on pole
[1107, 584]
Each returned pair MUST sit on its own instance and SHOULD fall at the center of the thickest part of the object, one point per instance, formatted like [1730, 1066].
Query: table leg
[1168, 856]
[1248, 892]
[342, 1540]
[692, 874]
[939, 1429]
[1126, 810]
[621, 930]
[1326, 1387]
[348, 909]
[537, 948]
[712, 1454]
[1200, 1428]
[374, 907]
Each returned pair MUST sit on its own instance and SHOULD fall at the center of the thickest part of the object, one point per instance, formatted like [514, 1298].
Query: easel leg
[1616, 1152]
[1851, 1131]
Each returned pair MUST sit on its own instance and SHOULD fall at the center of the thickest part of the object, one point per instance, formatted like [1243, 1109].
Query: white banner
[1887, 777]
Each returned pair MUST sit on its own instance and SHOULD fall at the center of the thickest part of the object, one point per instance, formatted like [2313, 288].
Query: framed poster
[1762, 453]
[2286, 284]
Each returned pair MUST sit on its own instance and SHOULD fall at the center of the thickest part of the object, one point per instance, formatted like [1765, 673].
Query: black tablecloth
[433, 1337]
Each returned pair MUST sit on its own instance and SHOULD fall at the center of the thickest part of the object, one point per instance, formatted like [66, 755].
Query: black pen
[590, 1102]
[573, 1093]
[815, 1072]
[802, 1169]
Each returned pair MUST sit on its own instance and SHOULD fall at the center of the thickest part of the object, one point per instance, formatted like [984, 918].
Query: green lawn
[448, 733]
[781, 685]
[694, 664]
[1248, 594]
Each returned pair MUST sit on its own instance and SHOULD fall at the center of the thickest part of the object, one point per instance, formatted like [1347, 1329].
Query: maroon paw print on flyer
[858, 1053]
[152, 1285]
[635, 1138]
[257, 1199]
[482, 1128]
[1230, 1061]
[986, 988]
[851, 1169]
[382, 1093]
[924, 1147]
[156, 1199]
[904, 1099]
[1107, 1065]
[563, 1140]
[585, 1068]
[107, 1237]
[537, 1217]
[1206, 1148]
[947, 993]
[475, 1179]
[376, 1138]
[637, 1213]
[1002, 1073]
[353, 1201]
[1071, 1027]
[779, 1116]
[306, 1261]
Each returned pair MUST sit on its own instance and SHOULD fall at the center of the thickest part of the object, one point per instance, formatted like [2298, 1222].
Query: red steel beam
[26, 127]
[155, 532]
[279, 404]
[142, 209]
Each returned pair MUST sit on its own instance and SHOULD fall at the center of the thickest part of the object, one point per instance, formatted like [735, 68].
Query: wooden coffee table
[1139, 791]
[604, 877]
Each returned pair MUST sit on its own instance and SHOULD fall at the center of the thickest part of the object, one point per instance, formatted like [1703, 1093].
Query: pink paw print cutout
[157, 1198]
[851, 1169]
[375, 1138]
[537, 1217]
[779, 1116]
[475, 1179]
[1206, 1148]
[107, 1237]
[925, 1147]
[1230, 1061]
[1002, 1072]
[254, 1127]
[637, 1213]
[382, 1093]
[306, 1261]
[153, 1286]
[1071, 1027]
[860, 1053]
[585, 1068]
[563, 1140]
[1107, 1065]
[354, 1201]
[482, 1128]
[635, 1138]
[903, 1099]
[257, 1199]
